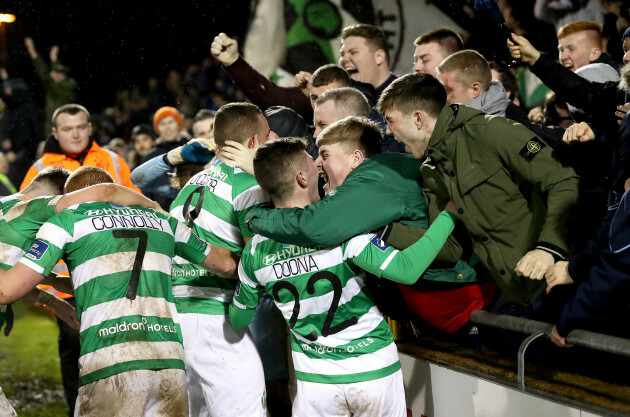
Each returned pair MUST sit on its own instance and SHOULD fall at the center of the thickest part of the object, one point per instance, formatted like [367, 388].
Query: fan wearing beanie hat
[167, 122]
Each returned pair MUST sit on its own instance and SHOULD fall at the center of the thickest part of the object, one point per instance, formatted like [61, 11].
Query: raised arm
[258, 88]
[598, 99]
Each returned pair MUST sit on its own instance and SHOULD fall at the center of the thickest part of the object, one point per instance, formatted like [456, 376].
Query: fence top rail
[584, 338]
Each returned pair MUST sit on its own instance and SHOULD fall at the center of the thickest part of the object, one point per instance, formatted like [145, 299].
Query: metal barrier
[536, 329]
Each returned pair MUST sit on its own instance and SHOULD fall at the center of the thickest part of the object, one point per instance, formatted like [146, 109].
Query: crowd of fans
[539, 192]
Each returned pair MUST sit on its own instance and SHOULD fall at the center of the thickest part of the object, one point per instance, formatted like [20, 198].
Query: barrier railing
[536, 329]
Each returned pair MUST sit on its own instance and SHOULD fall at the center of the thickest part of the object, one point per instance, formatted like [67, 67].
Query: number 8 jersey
[120, 264]
[338, 335]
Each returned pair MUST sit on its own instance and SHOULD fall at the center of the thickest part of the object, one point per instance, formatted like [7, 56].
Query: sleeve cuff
[558, 253]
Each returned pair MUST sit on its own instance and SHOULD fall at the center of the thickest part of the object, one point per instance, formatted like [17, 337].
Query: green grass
[29, 364]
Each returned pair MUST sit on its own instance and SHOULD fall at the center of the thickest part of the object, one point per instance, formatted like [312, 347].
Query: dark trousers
[69, 351]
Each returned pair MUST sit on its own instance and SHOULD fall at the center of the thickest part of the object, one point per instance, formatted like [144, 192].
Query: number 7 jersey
[338, 335]
[120, 264]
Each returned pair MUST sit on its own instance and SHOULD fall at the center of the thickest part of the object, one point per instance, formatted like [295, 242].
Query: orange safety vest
[96, 156]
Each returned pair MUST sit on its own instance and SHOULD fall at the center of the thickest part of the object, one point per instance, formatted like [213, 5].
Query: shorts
[143, 392]
[380, 397]
[223, 369]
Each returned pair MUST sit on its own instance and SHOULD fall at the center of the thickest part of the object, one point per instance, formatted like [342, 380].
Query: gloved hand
[194, 151]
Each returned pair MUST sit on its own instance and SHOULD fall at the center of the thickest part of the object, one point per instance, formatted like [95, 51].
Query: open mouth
[352, 72]
[326, 180]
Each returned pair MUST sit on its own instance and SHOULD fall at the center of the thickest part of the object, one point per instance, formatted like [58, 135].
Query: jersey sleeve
[249, 290]
[405, 266]
[247, 293]
[243, 202]
[49, 244]
[188, 245]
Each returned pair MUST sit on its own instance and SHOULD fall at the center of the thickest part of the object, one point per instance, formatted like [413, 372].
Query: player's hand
[558, 274]
[301, 80]
[520, 48]
[238, 155]
[224, 49]
[578, 132]
[536, 115]
[559, 340]
[621, 111]
[534, 264]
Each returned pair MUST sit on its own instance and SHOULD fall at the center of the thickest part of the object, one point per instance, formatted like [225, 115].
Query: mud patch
[34, 393]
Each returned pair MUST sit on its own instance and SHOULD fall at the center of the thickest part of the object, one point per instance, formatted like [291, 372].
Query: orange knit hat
[165, 112]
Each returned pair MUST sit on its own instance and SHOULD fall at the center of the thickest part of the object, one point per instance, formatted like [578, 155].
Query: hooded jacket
[510, 193]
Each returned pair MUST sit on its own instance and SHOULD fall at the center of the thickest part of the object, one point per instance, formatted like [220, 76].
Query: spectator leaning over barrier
[484, 164]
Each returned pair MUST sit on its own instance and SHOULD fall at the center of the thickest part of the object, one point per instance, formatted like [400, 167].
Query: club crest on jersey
[379, 243]
[38, 250]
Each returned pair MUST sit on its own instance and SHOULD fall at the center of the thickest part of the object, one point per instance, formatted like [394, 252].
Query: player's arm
[406, 266]
[247, 294]
[107, 193]
[218, 260]
[221, 261]
[16, 282]
[61, 283]
[61, 308]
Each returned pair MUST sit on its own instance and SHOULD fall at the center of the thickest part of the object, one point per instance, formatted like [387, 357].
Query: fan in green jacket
[513, 196]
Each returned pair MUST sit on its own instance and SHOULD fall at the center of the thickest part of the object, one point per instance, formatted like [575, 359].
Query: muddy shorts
[224, 372]
[147, 393]
[380, 397]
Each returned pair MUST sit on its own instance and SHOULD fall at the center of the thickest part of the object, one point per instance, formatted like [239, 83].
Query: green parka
[511, 194]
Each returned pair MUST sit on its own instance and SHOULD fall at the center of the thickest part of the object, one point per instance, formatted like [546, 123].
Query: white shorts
[5, 407]
[224, 372]
[143, 392]
[380, 397]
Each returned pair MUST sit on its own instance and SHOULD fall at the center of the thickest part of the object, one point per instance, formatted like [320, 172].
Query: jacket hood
[494, 101]
[451, 117]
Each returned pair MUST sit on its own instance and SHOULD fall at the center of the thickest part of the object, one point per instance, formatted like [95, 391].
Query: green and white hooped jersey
[338, 335]
[19, 223]
[214, 203]
[120, 263]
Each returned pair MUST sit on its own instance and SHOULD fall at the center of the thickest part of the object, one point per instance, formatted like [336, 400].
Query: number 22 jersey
[338, 335]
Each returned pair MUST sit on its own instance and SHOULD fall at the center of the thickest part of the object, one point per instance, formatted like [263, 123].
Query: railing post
[521, 358]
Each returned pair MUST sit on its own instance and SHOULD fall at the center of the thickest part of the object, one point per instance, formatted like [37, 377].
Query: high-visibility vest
[96, 156]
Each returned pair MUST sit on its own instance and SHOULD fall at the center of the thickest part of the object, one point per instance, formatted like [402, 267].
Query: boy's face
[334, 163]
